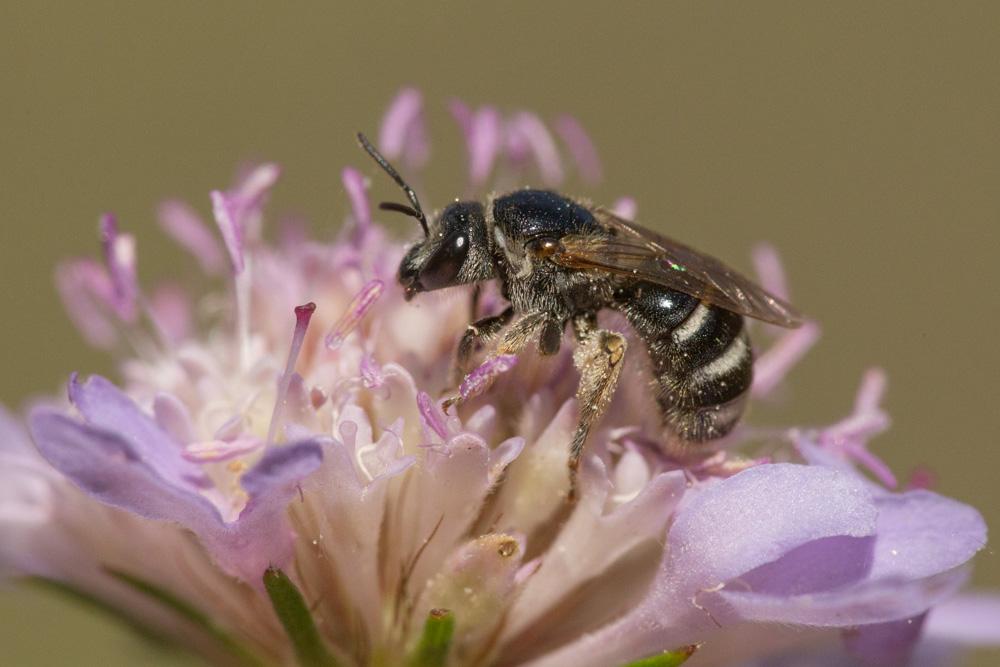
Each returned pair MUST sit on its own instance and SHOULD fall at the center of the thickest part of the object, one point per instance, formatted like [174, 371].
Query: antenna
[417, 212]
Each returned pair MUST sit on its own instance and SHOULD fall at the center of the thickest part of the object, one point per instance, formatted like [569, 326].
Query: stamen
[302, 316]
[357, 192]
[231, 228]
[483, 137]
[625, 207]
[773, 365]
[485, 374]
[769, 270]
[120, 259]
[185, 226]
[213, 451]
[580, 147]
[86, 290]
[871, 391]
[356, 310]
[403, 135]
[526, 133]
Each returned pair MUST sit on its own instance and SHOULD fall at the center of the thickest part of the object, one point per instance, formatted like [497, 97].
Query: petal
[968, 619]
[722, 530]
[103, 405]
[588, 545]
[445, 499]
[885, 644]
[922, 541]
[861, 604]
[261, 536]
[110, 467]
[758, 515]
[349, 513]
[921, 533]
[538, 481]
[488, 565]
[173, 417]
[14, 439]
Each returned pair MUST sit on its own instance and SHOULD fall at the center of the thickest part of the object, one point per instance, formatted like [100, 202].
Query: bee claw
[448, 402]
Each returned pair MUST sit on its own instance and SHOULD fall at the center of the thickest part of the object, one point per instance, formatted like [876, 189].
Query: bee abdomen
[700, 356]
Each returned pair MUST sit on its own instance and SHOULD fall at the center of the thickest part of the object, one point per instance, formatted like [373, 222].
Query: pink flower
[283, 486]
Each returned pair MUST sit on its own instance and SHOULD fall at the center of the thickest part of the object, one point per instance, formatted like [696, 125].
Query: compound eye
[441, 270]
[542, 248]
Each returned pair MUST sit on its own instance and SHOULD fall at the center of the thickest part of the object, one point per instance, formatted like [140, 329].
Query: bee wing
[636, 252]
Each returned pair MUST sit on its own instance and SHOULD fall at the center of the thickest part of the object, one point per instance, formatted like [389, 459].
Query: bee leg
[482, 330]
[514, 340]
[598, 357]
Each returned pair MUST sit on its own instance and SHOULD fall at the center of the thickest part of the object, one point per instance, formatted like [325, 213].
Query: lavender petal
[105, 406]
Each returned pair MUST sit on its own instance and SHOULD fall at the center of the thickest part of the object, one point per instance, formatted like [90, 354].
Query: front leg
[598, 357]
[522, 332]
[482, 330]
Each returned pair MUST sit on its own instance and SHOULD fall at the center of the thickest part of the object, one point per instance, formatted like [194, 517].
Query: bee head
[454, 250]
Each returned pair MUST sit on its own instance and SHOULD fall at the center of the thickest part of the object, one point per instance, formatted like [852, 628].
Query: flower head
[282, 482]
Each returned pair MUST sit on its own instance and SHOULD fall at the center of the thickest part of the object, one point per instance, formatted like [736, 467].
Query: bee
[558, 262]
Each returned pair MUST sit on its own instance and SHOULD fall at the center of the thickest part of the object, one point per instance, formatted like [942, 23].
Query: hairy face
[455, 252]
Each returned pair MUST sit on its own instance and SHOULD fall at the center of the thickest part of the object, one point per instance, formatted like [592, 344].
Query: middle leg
[598, 357]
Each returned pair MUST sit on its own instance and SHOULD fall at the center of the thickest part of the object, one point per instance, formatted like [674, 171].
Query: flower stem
[297, 620]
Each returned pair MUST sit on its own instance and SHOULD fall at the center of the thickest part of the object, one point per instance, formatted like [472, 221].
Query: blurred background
[861, 139]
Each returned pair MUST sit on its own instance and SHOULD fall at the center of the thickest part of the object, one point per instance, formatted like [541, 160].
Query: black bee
[559, 261]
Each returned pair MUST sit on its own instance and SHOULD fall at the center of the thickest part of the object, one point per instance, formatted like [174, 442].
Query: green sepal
[667, 658]
[435, 642]
[297, 620]
[188, 612]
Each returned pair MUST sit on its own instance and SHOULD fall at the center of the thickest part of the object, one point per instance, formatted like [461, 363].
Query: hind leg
[598, 357]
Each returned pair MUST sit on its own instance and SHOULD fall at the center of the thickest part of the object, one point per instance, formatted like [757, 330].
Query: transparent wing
[634, 251]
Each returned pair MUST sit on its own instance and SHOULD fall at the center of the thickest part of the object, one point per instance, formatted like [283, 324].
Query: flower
[283, 485]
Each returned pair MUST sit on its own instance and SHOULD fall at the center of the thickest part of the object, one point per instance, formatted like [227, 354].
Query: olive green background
[861, 138]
